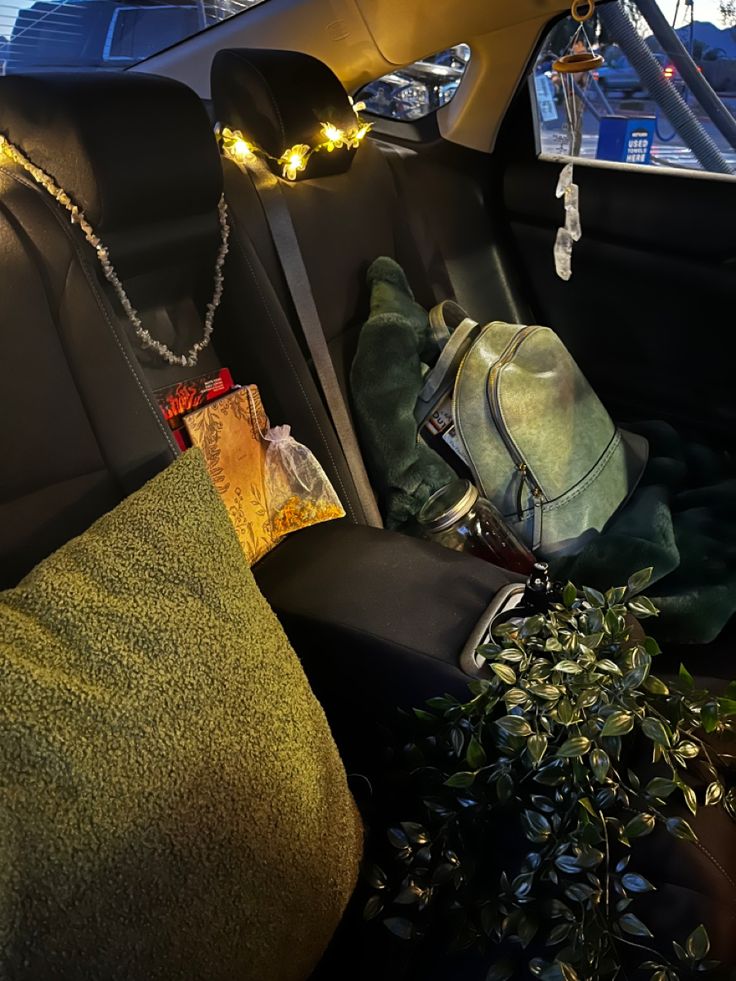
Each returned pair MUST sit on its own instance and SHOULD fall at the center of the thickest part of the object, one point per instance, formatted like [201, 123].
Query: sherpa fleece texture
[172, 804]
[385, 381]
[681, 520]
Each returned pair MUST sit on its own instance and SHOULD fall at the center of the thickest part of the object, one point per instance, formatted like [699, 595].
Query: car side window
[656, 101]
[101, 33]
[419, 89]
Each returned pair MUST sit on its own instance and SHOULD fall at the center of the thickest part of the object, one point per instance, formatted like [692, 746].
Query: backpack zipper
[527, 477]
[526, 474]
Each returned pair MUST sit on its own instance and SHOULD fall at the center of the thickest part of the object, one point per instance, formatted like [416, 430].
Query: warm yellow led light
[357, 134]
[241, 150]
[294, 160]
[236, 146]
[334, 137]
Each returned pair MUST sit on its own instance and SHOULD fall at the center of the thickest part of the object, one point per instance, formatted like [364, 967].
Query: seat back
[82, 427]
[345, 206]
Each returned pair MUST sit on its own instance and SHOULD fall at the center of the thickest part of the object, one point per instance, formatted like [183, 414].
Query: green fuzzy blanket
[681, 520]
[385, 380]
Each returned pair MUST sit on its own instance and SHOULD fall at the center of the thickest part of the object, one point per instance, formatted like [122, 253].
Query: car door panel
[648, 310]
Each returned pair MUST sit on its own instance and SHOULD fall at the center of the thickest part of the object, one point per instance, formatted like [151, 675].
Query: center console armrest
[376, 613]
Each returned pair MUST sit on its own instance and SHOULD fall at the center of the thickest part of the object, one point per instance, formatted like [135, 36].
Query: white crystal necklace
[78, 218]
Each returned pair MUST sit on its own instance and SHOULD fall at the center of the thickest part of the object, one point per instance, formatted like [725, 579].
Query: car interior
[465, 204]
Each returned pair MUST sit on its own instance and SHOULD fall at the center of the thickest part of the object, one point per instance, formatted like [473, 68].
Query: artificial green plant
[574, 748]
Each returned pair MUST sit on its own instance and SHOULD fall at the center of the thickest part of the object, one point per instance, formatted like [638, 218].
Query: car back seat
[81, 428]
[349, 208]
[344, 207]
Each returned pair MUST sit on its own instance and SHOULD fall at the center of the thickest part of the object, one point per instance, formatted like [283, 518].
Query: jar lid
[448, 505]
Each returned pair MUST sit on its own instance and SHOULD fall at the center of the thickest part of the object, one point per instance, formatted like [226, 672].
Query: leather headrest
[279, 99]
[130, 149]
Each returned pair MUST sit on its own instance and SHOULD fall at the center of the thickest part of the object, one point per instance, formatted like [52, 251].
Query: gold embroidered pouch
[228, 431]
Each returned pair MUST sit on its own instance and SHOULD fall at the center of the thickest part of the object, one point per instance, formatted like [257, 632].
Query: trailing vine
[577, 747]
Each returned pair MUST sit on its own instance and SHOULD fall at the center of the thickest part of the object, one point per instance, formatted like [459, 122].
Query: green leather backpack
[535, 436]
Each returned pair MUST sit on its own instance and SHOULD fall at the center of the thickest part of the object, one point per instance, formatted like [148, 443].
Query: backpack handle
[454, 347]
[444, 320]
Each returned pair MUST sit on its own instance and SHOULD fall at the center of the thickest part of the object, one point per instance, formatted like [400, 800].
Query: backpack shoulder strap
[441, 378]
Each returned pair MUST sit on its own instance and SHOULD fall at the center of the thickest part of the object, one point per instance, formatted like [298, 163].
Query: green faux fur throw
[385, 380]
[682, 521]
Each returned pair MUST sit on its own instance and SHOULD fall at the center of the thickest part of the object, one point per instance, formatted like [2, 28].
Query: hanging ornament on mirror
[573, 67]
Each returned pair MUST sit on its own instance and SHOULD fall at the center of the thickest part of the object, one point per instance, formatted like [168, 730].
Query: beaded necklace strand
[78, 218]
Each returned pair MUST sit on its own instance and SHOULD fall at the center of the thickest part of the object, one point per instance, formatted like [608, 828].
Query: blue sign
[626, 139]
[545, 98]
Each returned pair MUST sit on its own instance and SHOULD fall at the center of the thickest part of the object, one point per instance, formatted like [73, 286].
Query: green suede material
[172, 804]
[559, 426]
[555, 418]
[385, 380]
[682, 521]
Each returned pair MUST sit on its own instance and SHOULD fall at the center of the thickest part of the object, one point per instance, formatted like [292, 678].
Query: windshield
[100, 33]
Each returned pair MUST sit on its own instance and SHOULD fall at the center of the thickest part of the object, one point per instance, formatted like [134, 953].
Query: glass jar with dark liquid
[459, 518]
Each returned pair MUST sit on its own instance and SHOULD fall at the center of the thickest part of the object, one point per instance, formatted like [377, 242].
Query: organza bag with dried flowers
[298, 491]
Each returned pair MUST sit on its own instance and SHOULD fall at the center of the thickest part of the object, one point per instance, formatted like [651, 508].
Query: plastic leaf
[594, 597]
[660, 787]
[639, 826]
[632, 924]
[685, 677]
[618, 723]
[714, 793]
[536, 747]
[636, 883]
[400, 927]
[476, 755]
[599, 764]
[501, 971]
[372, 908]
[515, 725]
[460, 780]
[653, 729]
[679, 828]
[504, 672]
[578, 746]
[698, 943]
[640, 580]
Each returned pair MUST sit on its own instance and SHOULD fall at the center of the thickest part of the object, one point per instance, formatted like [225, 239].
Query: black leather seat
[349, 208]
[81, 424]
[345, 206]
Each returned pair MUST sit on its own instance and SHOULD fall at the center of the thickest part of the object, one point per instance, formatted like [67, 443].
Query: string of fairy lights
[294, 159]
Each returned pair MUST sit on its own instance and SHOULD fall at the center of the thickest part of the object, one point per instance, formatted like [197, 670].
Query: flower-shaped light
[333, 138]
[294, 160]
[236, 146]
[357, 134]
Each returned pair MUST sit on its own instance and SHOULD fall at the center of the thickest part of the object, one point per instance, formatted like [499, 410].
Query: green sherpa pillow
[172, 804]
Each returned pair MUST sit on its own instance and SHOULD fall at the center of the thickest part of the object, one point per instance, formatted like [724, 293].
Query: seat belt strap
[287, 247]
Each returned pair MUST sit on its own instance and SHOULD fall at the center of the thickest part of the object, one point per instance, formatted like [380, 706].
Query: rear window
[419, 89]
[100, 33]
